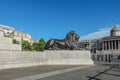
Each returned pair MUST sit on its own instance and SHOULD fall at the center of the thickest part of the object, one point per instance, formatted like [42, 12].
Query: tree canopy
[15, 41]
[39, 46]
[36, 46]
[26, 46]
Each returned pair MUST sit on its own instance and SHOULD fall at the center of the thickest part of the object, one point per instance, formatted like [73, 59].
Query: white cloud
[96, 35]
[7, 26]
[104, 32]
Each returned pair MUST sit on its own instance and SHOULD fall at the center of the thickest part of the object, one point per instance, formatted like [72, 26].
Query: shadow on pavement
[112, 74]
[105, 72]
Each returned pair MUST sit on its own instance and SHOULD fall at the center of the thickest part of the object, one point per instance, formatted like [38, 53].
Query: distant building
[97, 35]
[111, 42]
[85, 44]
[6, 42]
[6, 30]
[19, 36]
[108, 48]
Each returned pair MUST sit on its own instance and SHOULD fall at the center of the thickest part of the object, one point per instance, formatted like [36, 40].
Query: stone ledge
[13, 59]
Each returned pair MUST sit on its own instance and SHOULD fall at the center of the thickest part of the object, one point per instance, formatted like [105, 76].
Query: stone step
[12, 59]
[5, 40]
[8, 46]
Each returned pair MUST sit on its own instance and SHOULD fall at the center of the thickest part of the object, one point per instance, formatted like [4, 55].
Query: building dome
[115, 31]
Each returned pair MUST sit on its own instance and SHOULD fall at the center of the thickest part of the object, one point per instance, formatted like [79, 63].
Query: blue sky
[54, 18]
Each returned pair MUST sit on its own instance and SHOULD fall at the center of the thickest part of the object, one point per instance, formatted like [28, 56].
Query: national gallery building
[111, 42]
[108, 48]
[108, 43]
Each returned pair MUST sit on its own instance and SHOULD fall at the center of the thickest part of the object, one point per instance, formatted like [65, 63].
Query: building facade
[108, 48]
[6, 30]
[111, 42]
[19, 36]
[86, 44]
[11, 32]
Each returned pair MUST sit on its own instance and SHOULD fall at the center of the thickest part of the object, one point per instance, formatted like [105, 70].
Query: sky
[101, 33]
[105, 32]
[55, 18]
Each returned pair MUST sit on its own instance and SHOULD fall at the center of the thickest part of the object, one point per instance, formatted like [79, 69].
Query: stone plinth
[68, 57]
[6, 44]
[1, 33]
[5, 40]
[13, 59]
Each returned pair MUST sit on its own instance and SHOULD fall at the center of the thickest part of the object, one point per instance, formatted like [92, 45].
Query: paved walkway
[11, 74]
[97, 72]
[90, 73]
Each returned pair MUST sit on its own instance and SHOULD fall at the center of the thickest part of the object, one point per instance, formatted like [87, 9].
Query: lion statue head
[71, 39]
[72, 36]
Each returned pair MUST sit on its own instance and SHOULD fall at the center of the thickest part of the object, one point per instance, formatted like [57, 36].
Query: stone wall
[6, 44]
[10, 46]
[5, 40]
[13, 59]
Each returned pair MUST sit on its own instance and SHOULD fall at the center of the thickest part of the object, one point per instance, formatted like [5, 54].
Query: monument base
[68, 57]
[14, 59]
[7, 44]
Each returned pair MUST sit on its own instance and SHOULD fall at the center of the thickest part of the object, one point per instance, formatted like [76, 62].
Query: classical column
[115, 45]
[108, 45]
[118, 44]
[112, 45]
[105, 45]
[102, 45]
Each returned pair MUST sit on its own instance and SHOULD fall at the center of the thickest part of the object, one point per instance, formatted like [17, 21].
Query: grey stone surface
[91, 73]
[10, 74]
[1, 33]
[52, 73]
[5, 40]
[13, 59]
[99, 72]
[6, 44]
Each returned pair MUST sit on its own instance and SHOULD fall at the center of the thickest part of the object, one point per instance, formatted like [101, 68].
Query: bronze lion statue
[69, 43]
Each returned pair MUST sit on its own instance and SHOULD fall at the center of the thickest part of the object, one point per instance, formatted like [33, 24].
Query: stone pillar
[102, 45]
[101, 57]
[105, 45]
[115, 45]
[108, 45]
[106, 58]
[119, 44]
[112, 45]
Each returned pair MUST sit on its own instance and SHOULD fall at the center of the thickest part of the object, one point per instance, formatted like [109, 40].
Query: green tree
[42, 44]
[35, 46]
[15, 41]
[26, 46]
[39, 46]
